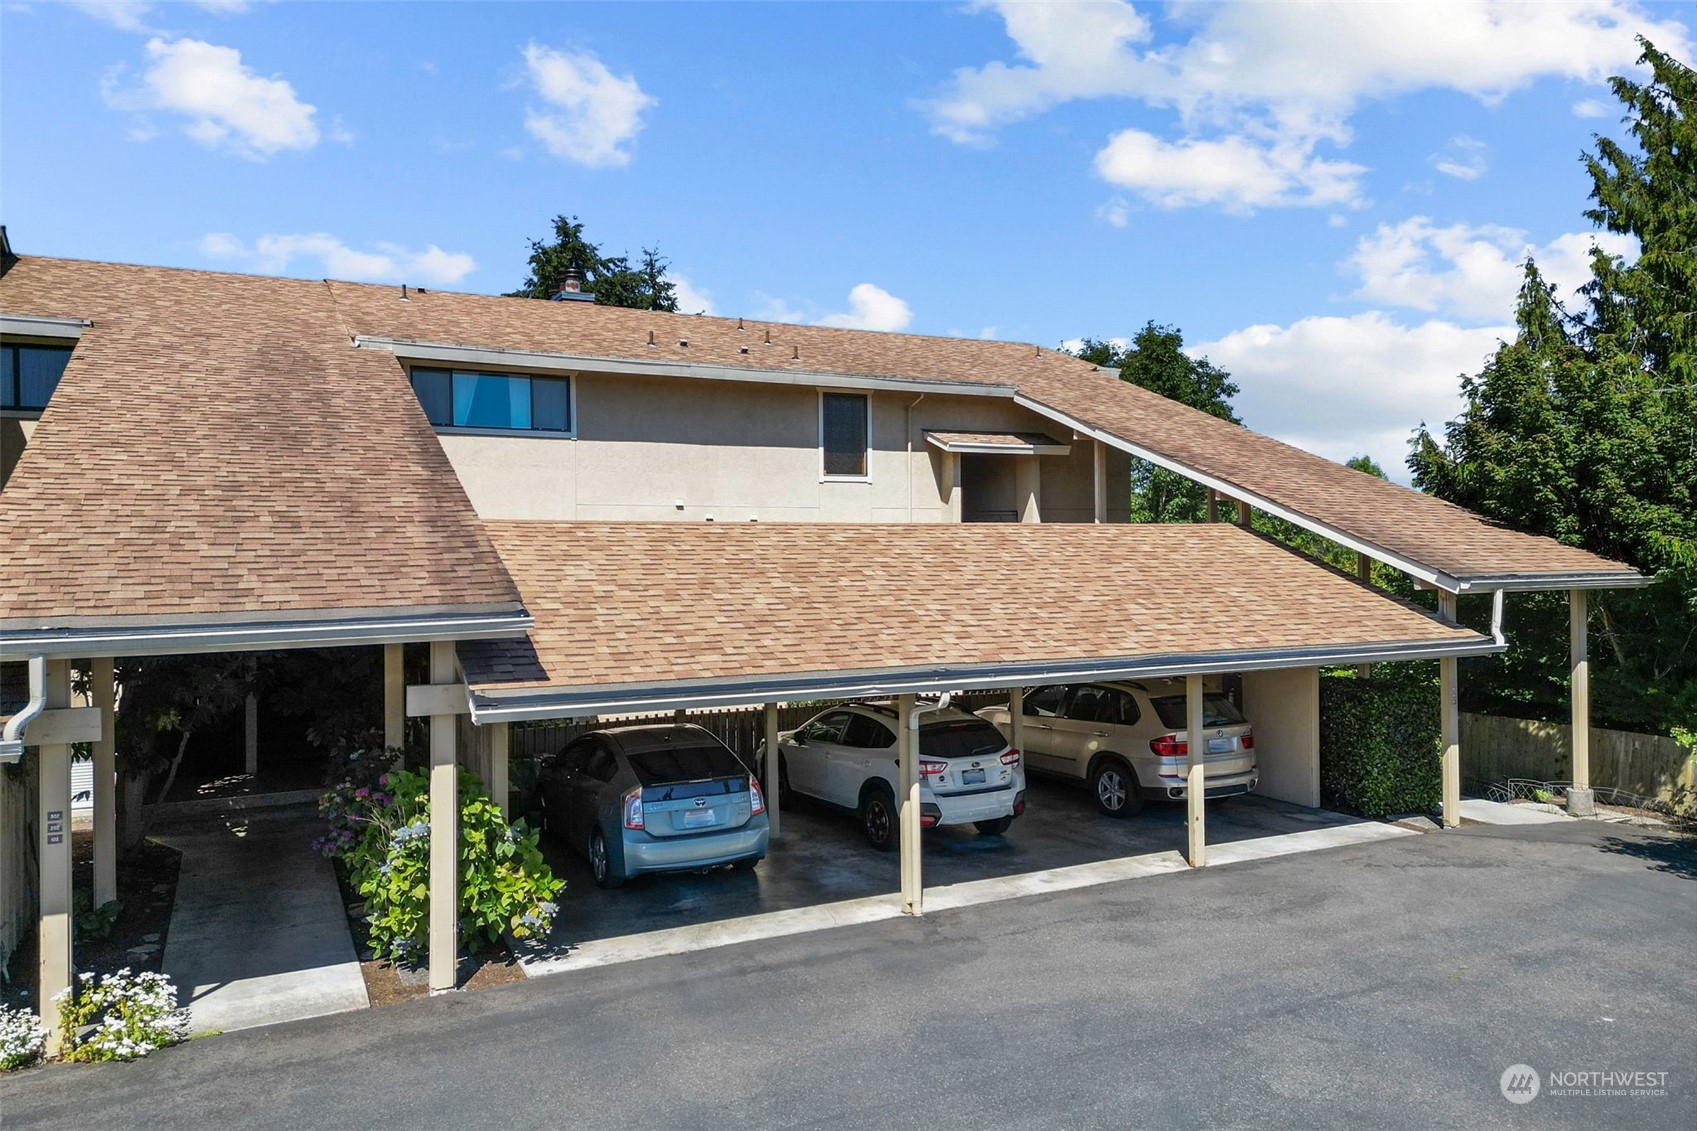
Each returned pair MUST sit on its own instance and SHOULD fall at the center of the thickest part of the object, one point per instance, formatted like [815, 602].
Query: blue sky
[1331, 201]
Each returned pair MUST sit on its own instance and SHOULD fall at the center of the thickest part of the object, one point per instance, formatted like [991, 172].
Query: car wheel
[1115, 785]
[878, 819]
[993, 828]
[601, 864]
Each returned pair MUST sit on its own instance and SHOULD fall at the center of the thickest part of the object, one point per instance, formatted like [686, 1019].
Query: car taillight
[633, 809]
[1011, 758]
[1168, 746]
[931, 769]
[1247, 742]
[756, 803]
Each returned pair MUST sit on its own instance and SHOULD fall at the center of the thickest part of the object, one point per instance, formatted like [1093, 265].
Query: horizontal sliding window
[512, 402]
[29, 374]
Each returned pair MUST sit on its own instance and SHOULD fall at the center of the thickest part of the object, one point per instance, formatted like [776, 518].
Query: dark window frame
[826, 453]
[12, 378]
[536, 380]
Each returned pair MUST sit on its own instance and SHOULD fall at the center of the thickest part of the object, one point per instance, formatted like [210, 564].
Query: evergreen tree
[611, 280]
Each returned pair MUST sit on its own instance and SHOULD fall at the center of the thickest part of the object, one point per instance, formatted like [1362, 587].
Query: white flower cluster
[22, 1038]
[137, 1013]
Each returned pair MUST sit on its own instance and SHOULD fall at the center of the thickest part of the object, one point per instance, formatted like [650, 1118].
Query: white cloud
[1463, 159]
[691, 299]
[871, 307]
[1468, 272]
[387, 263]
[1281, 78]
[1234, 173]
[1340, 387]
[1590, 108]
[1115, 212]
[227, 105]
[131, 15]
[592, 114]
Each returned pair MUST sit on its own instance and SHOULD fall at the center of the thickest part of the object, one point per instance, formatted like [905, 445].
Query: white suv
[846, 756]
[1128, 741]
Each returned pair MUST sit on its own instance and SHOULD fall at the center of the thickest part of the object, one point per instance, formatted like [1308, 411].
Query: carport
[636, 617]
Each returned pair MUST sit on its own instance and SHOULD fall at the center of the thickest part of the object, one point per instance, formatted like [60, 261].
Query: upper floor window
[29, 374]
[454, 398]
[843, 428]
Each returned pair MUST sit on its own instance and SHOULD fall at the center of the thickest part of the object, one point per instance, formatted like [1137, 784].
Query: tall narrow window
[29, 374]
[502, 401]
[842, 432]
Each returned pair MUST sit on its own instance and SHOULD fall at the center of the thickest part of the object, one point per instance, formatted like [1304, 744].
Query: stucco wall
[666, 449]
[1284, 708]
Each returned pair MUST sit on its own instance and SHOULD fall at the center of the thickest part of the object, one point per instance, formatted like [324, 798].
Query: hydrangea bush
[22, 1037]
[119, 1016]
[381, 833]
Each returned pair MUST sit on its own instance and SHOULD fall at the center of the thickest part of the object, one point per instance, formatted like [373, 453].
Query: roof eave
[1543, 582]
[521, 704]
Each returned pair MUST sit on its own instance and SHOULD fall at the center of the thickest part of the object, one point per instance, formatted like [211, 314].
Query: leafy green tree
[612, 280]
[1584, 428]
[1155, 359]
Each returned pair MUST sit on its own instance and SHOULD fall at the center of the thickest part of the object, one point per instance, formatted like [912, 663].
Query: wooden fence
[1494, 749]
[743, 729]
[17, 854]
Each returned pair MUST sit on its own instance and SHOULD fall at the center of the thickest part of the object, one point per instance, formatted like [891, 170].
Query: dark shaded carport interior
[707, 616]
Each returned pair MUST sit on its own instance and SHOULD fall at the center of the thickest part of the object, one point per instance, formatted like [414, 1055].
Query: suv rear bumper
[964, 809]
[1233, 786]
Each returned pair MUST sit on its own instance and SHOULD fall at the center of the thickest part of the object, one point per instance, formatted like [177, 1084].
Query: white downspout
[12, 745]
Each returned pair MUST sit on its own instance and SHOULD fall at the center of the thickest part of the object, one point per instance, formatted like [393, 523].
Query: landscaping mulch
[147, 887]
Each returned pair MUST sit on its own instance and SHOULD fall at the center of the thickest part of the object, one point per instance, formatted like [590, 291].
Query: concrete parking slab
[1501, 813]
[1062, 844]
[258, 934]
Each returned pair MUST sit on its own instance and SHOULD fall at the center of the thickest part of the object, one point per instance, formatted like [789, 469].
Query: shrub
[22, 1037]
[1379, 744]
[119, 1016]
[384, 841]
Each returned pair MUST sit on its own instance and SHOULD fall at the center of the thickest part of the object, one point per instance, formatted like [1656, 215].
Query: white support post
[908, 825]
[1028, 487]
[1195, 788]
[1016, 719]
[1449, 707]
[1581, 800]
[1243, 515]
[1364, 573]
[105, 785]
[498, 738]
[769, 716]
[1101, 480]
[1213, 505]
[444, 831]
[250, 736]
[951, 485]
[53, 830]
[394, 696]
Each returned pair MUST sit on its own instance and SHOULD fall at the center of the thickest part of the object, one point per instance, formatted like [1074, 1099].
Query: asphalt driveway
[1385, 985]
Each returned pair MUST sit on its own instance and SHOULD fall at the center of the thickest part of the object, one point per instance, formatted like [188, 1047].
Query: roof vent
[768, 336]
[796, 356]
[651, 337]
[742, 349]
[571, 286]
[739, 323]
[683, 343]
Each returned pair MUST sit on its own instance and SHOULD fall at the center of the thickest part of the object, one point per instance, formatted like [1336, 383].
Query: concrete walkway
[1502, 813]
[258, 934]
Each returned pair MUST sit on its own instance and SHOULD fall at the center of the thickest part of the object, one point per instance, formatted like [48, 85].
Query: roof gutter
[1543, 582]
[522, 704]
[34, 326]
[662, 367]
[12, 742]
[251, 636]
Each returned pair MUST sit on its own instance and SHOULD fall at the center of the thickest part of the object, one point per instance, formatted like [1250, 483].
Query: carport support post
[444, 831]
[1243, 516]
[1213, 505]
[1449, 708]
[53, 825]
[498, 736]
[908, 819]
[105, 786]
[1194, 790]
[1101, 480]
[769, 717]
[250, 735]
[1016, 719]
[1581, 801]
[394, 697]
[1364, 573]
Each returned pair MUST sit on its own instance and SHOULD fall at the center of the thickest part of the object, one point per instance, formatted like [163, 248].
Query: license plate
[697, 818]
[1219, 745]
[972, 777]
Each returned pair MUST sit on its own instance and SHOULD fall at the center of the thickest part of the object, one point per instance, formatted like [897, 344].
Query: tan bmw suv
[1128, 741]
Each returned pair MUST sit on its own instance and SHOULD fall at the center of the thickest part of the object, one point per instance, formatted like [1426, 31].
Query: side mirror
[799, 738]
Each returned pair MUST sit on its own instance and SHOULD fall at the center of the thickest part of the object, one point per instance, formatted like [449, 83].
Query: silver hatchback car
[1128, 741]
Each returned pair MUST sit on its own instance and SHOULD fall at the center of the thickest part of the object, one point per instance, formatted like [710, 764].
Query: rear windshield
[960, 738]
[685, 763]
[1217, 711]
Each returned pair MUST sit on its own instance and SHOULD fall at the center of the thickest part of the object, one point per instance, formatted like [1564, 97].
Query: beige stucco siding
[1284, 708]
[656, 448]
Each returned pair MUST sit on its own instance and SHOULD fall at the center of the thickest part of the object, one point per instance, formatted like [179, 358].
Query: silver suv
[1128, 741]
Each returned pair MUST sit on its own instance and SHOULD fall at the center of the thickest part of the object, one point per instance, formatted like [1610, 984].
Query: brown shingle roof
[1400, 523]
[662, 603]
[216, 449]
